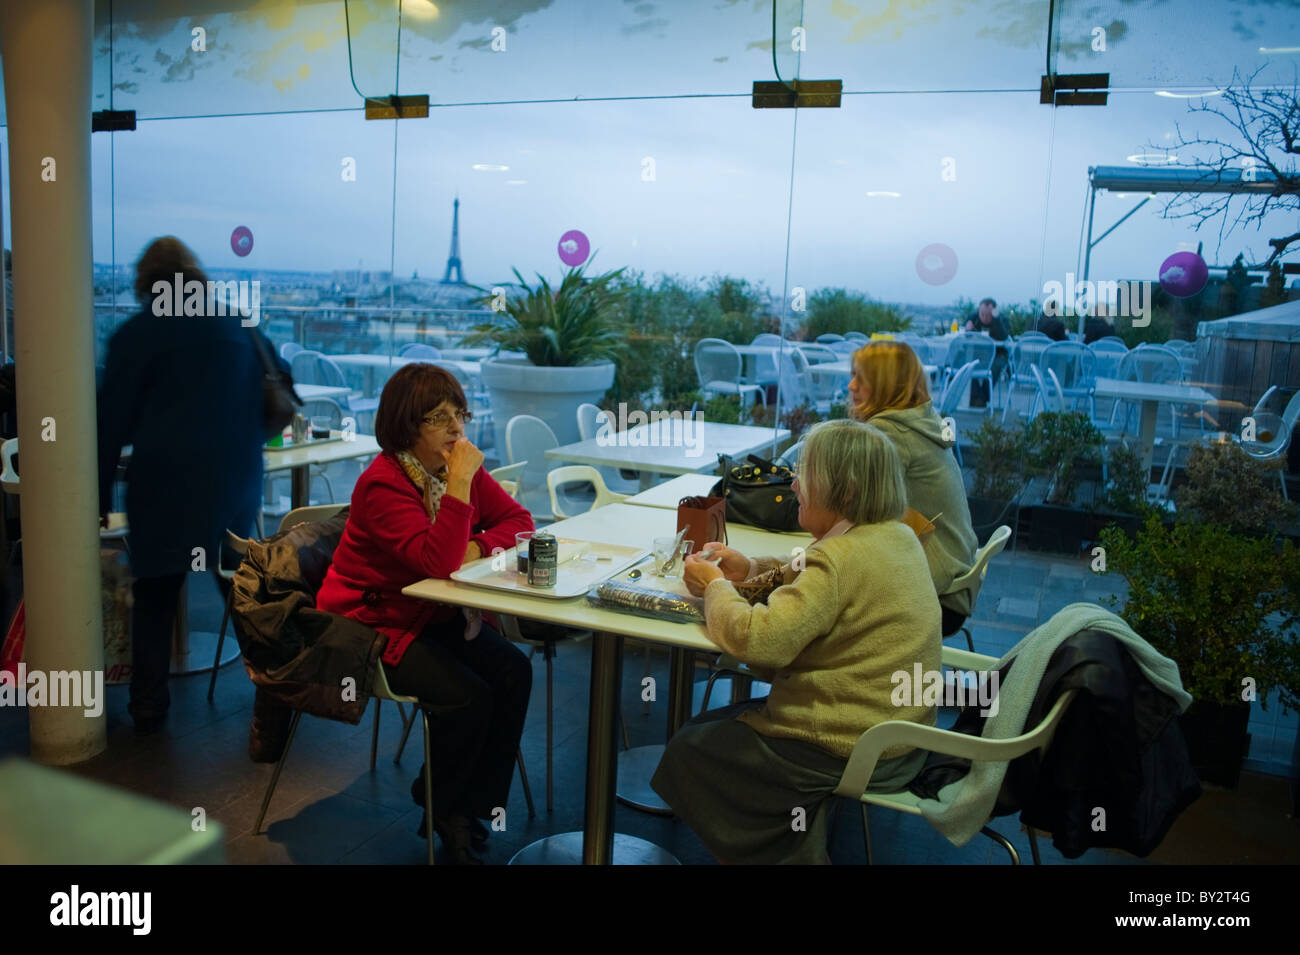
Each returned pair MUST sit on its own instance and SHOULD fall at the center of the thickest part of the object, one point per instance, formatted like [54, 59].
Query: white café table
[1151, 395]
[668, 494]
[310, 392]
[613, 524]
[298, 459]
[621, 450]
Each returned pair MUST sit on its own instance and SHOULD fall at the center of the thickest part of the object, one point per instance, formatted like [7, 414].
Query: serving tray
[577, 569]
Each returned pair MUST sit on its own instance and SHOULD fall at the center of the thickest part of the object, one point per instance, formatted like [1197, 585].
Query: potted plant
[1218, 592]
[1123, 500]
[570, 338]
[1062, 447]
[999, 475]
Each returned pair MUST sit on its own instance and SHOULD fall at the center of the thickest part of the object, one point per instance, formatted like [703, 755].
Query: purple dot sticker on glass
[1184, 274]
[573, 248]
[241, 240]
[936, 264]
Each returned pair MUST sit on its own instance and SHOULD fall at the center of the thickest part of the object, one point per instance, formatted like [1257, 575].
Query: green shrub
[835, 310]
[1226, 486]
[1218, 604]
[1059, 444]
[1126, 487]
[999, 460]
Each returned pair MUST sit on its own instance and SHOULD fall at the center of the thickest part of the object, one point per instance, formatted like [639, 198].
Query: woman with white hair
[855, 608]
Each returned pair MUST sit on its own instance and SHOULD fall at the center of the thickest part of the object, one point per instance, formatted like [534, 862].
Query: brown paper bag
[704, 518]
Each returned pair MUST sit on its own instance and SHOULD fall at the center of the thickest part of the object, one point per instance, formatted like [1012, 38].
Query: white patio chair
[590, 419]
[528, 438]
[829, 337]
[289, 349]
[1074, 365]
[1049, 396]
[866, 754]
[419, 350]
[981, 349]
[973, 579]
[1025, 354]
[1147, 363]
[508, 477]
[720, 368]
[304, 367]
[950, 400]
[856, 337]
[559, 478]
[1273, 433]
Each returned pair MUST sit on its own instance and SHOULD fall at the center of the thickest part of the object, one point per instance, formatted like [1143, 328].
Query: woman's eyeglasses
[440, 419]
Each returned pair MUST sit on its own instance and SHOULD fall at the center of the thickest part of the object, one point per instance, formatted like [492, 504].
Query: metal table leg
[636, 766]
[301, 482]
[598, 842]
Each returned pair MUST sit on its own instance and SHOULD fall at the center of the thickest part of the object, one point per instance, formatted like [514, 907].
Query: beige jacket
[830, 640]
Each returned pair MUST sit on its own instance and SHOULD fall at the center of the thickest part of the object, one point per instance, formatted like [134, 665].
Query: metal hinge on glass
[1052, 87]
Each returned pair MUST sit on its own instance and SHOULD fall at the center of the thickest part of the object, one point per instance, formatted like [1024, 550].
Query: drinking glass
[521, 551]
[320, 426]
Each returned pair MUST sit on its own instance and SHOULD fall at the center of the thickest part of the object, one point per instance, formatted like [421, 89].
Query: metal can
[543, 551]
[299, 429]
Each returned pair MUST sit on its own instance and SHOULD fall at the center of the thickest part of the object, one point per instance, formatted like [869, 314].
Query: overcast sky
[686, 177]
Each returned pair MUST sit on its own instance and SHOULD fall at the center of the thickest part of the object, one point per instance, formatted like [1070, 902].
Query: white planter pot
[516, 386]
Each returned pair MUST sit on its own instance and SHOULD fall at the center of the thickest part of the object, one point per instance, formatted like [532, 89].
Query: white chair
[304, 367]
[528, 438]
[764, 366]
[240, 546]
[826, 388]
[1034, 335]
[322, 408]
[590, 419]
[1074, 365]
[973, 579]
[578, 474]
[1025, 354]
[1273, 433]
[846, 348]
[856, 337]
[866, 753]
[355, 404]
[419, 350]
[1107, 353]
[950, 399]
[981, 349]
[508, 477]
[1147, 363]
[10, 481]
[719, 368]
[1049, 397]
[289, 349]
[798, 385]
[830, 337]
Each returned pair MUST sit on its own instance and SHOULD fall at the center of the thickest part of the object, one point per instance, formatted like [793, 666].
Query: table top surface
[670, 492]
[1151, 391]
[308, 392]
[672, 447]
[321, 452]
[613, 524]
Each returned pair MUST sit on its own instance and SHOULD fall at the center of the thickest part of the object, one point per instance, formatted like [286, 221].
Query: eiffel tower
[453, 260]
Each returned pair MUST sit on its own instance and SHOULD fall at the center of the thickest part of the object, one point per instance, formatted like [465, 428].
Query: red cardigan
[389, 543]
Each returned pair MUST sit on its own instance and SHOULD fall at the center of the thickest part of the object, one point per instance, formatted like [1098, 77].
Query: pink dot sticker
[936, 264]
[241, 240]
[573, 248]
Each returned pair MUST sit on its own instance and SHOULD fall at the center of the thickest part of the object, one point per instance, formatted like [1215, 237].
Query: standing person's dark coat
[186, 392]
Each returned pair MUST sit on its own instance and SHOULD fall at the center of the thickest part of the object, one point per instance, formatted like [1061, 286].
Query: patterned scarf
[433, 487]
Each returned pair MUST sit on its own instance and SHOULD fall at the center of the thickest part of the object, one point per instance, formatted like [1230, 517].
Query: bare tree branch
[1264, 136]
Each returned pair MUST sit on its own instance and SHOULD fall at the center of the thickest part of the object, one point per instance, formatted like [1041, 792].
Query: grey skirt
[759, 799]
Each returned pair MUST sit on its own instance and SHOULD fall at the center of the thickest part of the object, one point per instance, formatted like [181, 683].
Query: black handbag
[278, 397]
[758, 493]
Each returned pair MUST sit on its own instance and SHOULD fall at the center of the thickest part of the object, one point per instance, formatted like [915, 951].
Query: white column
[47, 78]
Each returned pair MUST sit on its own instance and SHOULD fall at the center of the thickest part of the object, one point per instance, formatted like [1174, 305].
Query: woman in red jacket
[422, 509]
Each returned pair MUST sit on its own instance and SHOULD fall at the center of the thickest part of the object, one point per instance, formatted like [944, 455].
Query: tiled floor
[330, 808]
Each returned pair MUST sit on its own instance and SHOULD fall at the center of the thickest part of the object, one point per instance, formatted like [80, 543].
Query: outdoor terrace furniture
[508, 477]
[528, 438]
[719, 367]
[1074, 364]
[973, 579]
[559, 478]
[1107, 354]
[948, 402]
[1273, 432]
[1152, 364]
[419, 351]
[589, 421]
[289, 349]
[829, 337]
[1049, 397]
[1025, 354]
[856, 337]
[981, 349]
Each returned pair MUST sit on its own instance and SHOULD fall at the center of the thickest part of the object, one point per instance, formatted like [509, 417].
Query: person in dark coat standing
[186, 391]
[986, 321]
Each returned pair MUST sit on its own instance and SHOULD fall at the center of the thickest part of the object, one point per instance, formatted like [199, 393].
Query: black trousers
[476, 692]
[152, 620]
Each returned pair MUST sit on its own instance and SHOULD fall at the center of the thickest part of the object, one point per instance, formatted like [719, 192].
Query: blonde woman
[828, 638]
[889, 391]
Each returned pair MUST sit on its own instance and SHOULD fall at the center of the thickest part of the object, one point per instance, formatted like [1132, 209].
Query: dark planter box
[987, 514]
[1217, 740]
[1061, 530]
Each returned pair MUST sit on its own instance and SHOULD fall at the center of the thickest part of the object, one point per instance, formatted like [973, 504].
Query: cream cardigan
[830, 640]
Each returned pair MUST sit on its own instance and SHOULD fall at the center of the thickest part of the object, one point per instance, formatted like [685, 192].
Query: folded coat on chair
[297, 655]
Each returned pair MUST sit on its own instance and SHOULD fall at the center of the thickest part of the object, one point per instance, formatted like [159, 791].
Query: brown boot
[269, 730]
